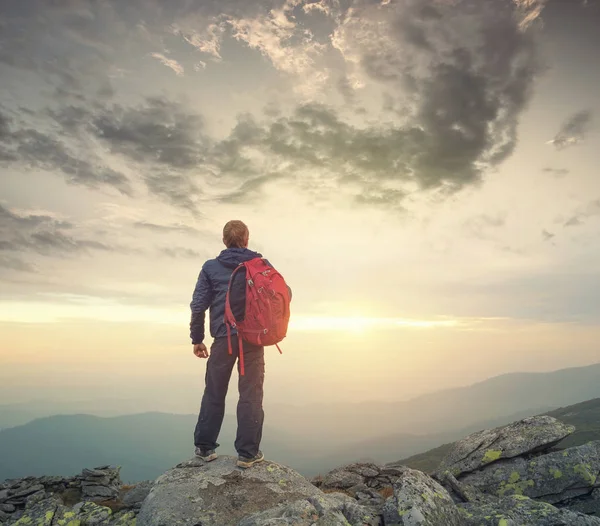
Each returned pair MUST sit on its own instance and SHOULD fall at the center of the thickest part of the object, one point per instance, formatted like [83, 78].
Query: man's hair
[235, 234]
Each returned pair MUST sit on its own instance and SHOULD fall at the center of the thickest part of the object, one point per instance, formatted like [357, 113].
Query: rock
[101, 483]
[3, 494]
[333, 510]
[218, 493]
[518, 510]
[42, 513]
[26, 491]
[124, 519]
[418, 500]
[134, 497]
[553, 477]
[353, 477]
[91, 514]
[530, 435]
[590, 504]
[105, 492]
[8, 508]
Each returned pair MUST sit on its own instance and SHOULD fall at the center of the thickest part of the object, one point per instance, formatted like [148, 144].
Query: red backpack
[267, 312]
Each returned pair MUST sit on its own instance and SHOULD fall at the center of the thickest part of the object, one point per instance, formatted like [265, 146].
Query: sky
[424, 173]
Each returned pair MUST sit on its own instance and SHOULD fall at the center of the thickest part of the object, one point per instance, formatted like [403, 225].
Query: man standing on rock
[210, 293]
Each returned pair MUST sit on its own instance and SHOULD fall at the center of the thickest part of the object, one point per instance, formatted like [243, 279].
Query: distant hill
[585, 416]
[145, 445]
[311, 439]
[442, 411]
[352, 422]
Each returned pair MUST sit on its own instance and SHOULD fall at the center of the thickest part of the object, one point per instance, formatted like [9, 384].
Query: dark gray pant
[250, 415]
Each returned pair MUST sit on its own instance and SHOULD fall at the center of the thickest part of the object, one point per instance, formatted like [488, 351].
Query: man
[210, 293]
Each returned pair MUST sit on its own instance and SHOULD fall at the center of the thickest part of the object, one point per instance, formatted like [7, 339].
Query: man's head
[236, 234]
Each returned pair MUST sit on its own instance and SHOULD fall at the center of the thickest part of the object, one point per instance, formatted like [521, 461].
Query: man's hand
[200, 350]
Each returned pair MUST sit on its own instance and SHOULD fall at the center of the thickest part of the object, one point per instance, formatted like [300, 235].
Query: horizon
[422, 173]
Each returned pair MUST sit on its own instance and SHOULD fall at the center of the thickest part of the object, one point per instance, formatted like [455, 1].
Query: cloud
[459, 73]
[32, 148]
[557, 172]
[592, 209]
[573, 130]
[547, 236]
[276, 35]
[159, 131]
[170, 63]
[43, 234]
[181, 253]
[480, 226]
[14, 263]
[206, 41]
[166, 229]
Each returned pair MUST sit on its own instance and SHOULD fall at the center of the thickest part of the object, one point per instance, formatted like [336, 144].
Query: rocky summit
[515, 475]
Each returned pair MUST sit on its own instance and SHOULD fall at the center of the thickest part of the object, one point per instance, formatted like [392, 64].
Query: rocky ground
[95, 497]
[510, 476]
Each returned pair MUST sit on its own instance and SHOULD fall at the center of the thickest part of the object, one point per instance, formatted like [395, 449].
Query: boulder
[134, 497]
[518, 510]
[589, 504]
[100, 483]
[322, 510]
[553, 477]
[527, 436]
[418, 500]
[219, 494]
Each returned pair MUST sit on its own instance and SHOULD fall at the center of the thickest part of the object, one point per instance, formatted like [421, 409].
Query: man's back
[211, 291]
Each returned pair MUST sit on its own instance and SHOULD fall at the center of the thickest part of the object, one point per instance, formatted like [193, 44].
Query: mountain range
[310, 439]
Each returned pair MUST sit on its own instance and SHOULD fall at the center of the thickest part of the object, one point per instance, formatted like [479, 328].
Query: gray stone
[332, 509]
[418, 500]
[100, 491]
[352, 475]
[518, 510]
[479, 449]
[26, 491]
[42, 513]
[553, 477]
[92, 514]
[124, 518]
[218, 493]
[134, 497]
[8, 508]
[590, 504]
[3, 494]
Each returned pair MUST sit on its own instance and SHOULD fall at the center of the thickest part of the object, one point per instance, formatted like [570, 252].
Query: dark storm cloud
[573, 130]
[42, 234]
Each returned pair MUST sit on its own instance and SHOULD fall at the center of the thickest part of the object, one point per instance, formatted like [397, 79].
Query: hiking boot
[243, 462]
[207, 455]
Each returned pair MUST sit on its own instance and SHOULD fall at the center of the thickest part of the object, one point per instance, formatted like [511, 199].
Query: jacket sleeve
[201, 300]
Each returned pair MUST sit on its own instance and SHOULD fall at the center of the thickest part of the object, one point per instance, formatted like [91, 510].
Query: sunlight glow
[94, 309]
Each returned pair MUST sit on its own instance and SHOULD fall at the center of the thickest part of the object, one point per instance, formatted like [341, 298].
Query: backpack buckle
[250, 283]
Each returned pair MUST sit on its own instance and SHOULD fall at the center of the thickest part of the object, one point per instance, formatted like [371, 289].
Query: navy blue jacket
[211, 290]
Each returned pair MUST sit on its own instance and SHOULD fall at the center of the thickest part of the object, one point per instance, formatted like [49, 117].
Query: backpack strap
[241, 351]
[228, 312]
